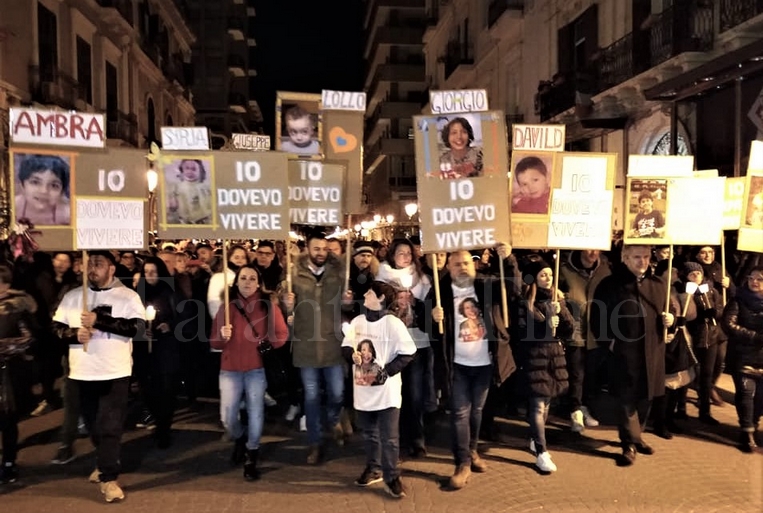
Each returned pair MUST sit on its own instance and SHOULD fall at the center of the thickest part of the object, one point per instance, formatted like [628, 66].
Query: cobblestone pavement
[701, 472]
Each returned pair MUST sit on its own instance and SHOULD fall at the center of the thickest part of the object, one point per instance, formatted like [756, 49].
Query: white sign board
[660, 165]
[453, 102]
[538, 137]
[343, 100]
[734, 203]
[110, 224]
[185, 138]
[57, 128]
[251, 142]
[695, 210]
[581, 210]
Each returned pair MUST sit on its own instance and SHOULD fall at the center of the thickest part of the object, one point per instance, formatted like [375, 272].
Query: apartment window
[84, 71]
[578, 42]
[112, 92]
[47, 30]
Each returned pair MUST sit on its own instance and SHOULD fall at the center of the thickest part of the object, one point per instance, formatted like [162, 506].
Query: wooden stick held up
[84, 290]
[226, 292]
[436, 279]
[555, 287]
[668, 278]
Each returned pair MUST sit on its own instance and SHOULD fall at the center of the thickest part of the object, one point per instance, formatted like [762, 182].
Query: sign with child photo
[461, 172]
[299, 124]
[223, 194]
[646, 205]
[751, 230]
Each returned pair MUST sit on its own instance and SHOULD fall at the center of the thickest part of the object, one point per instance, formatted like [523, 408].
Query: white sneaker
[577, 421]
[95, 476]
[544, 462]
[303, 423]
[532, 447]
[292, 413]
[269, 401]
[588, 419]
[111, 491]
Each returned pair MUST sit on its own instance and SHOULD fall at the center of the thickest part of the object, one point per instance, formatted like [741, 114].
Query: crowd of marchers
[379, 348]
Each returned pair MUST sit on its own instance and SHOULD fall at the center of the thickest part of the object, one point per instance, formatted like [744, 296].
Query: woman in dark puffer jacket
[541, 321]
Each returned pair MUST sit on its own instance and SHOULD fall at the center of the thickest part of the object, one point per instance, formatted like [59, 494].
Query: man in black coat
[470, 354]
[628, 316]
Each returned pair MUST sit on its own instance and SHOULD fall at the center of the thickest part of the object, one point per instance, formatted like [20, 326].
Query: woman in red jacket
[256, 324]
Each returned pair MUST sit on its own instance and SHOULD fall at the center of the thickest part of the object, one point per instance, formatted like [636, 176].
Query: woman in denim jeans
[541, 321]
[255, 322]
[743, 322]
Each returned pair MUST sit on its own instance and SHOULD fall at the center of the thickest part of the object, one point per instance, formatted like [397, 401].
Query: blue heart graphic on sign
[341, 141]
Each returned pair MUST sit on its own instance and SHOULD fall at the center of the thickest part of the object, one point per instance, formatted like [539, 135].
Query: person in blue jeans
[471, 353]
[316, 302]
[256, 326]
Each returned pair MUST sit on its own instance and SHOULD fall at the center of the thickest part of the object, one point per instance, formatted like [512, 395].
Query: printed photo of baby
[366, 374]
[472, 329]
[299, 133]
[188, 194]
[42, 189]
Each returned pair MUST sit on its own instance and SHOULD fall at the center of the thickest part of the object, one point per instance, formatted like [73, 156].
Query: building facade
[127, 59]
[224, 89]
[396, 88]
[624, 76]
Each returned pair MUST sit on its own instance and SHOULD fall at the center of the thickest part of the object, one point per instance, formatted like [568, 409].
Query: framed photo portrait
[754, 212]
[43, 187]
[456, 146]
[186, 187]
[531, 181]
[299, 129]
[645, 218]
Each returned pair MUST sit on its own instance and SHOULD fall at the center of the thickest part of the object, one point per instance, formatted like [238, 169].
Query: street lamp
[411, 209]
[377, 219]
[390, 218]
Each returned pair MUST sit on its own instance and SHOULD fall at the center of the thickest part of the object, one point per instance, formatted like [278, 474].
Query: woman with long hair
[402, 272]
[256, 327]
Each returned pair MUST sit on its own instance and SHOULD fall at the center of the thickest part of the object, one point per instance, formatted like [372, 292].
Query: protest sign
[185, 138]
[751, 230]
[733, 203]
[646, 205]
[581, 207]
[660, 165]
[344, 146]
[315, 193]
[343, 100]
[538, 137]
[111, 207]
[461, 101]
[299, 125]
[57, 128]
[251, 142]
[224, 195]
[694, 214]
[461, 170]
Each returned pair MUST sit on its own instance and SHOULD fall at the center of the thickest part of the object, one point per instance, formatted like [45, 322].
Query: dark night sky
[306, 46]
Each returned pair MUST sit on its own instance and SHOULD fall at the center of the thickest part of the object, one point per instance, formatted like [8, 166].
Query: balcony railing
[122, 126]
[736, 12]
[498, 7]
[682, 28]
[175, 70]
[458, 53]
[49, 85]
[687, 27]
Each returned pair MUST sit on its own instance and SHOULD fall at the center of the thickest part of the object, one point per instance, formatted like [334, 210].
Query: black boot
[250, 465]
[747, 441]
[239, 451]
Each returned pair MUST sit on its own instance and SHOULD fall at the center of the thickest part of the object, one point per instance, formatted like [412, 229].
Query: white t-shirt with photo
[382, 341]
[108, 356]
[471, 345]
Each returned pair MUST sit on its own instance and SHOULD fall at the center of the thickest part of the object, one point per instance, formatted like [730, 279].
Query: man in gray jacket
[315, 302]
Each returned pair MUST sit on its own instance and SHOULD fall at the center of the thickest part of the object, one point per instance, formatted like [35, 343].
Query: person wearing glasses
[743, 322]
[266, 262]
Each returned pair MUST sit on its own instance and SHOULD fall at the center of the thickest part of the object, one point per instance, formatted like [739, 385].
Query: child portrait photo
[647, 202]
[187, 190]
[366, 374]
[457, 146]
[42, 188]
[298, 124]
[531, 180]
[754, 217]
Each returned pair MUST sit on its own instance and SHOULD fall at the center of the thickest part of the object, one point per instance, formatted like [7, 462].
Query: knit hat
[362, 246]
[531, 270]
[690, 267]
